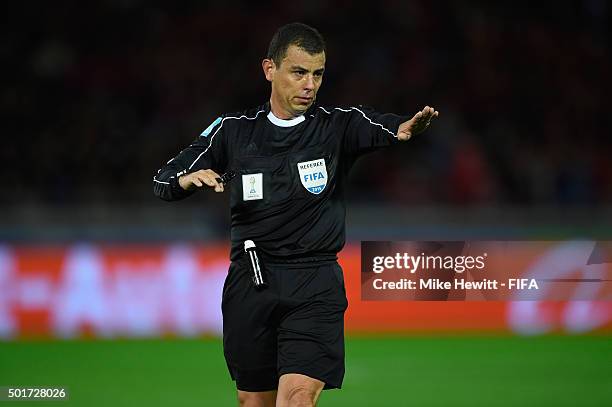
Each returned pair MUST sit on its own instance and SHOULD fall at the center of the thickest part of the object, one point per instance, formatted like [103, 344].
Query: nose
[309, 84]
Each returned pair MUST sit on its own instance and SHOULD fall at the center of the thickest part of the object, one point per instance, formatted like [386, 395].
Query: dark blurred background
[101, 94]
[97, 95]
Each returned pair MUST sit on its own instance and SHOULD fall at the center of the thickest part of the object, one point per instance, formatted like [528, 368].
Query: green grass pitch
[381, 371]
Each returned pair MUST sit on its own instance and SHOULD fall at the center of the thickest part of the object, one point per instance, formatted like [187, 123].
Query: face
[295, 81]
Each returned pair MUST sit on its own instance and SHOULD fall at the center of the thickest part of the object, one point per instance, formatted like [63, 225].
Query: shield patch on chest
[313, 175]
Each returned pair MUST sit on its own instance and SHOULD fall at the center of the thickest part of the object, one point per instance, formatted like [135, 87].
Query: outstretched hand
[418, 124]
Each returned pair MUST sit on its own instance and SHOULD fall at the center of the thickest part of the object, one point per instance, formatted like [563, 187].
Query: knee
[301, 396]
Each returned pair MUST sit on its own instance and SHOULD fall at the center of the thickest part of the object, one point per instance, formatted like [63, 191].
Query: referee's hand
[199, 179]
[418, 124]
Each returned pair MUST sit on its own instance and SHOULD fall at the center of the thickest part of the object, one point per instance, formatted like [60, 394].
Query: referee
[286, 163]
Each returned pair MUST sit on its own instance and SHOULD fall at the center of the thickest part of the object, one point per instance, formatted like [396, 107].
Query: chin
[302, 108]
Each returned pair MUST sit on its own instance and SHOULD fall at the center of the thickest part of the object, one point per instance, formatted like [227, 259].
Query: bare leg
[256, 398]
[298, 390]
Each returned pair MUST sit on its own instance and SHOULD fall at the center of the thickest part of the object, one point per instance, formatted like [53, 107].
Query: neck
[279, 112]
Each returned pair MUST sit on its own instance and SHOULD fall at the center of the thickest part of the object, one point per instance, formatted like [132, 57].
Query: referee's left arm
[366, 130]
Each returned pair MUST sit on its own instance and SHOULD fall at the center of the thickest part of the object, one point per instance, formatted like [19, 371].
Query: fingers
[419, 123]
[425, 116]
[428, 113]
[208, 178]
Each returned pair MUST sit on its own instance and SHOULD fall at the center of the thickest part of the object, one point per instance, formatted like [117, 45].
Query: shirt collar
[285, 122]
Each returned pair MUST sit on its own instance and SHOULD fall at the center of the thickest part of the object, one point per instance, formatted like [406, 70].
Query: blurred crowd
[101, 94]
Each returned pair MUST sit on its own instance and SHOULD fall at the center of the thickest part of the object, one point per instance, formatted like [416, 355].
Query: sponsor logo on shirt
[252, 186]
[313, 175]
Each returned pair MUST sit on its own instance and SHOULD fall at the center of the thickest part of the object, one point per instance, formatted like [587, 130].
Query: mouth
[303, 100]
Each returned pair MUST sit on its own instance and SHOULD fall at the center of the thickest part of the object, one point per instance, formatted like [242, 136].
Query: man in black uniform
[284, 299]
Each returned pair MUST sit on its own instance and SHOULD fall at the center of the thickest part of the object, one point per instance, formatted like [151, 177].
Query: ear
[269, 68]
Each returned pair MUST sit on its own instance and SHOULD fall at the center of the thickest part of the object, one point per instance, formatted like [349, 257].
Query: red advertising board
[151, 290]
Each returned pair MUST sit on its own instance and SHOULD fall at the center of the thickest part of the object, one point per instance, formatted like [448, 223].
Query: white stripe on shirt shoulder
[363, 114]
[219, 128]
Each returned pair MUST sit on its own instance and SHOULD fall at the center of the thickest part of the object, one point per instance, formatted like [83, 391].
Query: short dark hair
[301, 35]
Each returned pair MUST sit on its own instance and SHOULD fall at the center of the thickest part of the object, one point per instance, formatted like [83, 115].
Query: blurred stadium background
[116, 295]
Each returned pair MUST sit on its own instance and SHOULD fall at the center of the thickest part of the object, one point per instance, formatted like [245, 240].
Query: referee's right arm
[194, 167]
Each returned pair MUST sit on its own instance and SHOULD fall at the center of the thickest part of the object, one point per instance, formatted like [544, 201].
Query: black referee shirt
[288, 194]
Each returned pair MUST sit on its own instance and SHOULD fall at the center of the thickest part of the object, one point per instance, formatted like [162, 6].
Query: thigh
[249, 332]
[311, 334]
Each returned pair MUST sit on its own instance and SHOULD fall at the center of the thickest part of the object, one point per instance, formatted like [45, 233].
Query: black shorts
[295, 325]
